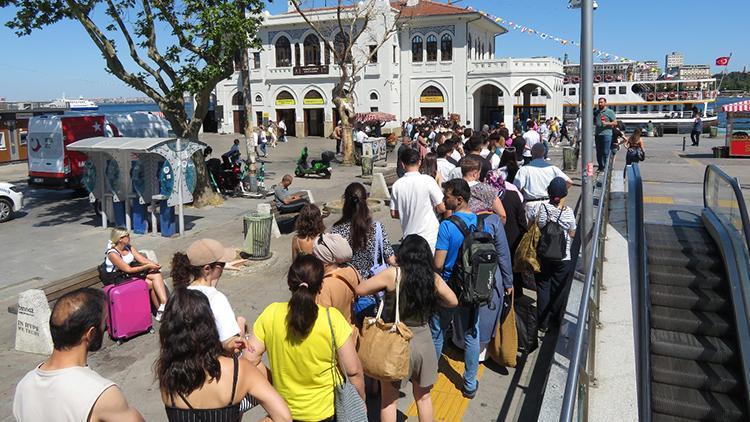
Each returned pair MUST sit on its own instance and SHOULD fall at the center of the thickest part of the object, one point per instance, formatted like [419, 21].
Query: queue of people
[459, 191]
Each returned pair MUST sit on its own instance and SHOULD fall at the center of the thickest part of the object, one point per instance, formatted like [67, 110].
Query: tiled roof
[430, 8]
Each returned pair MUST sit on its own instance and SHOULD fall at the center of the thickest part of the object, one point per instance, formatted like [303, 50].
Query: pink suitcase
[129, 309]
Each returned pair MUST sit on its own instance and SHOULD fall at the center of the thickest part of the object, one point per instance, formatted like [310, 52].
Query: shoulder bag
[384, 347]
[107, 278]
[347, 403]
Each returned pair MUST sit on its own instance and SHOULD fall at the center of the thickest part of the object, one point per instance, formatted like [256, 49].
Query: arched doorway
[314, 103]
[239, 117]
[531, 102]
[285, 110]
[488, 106]
[432, 102]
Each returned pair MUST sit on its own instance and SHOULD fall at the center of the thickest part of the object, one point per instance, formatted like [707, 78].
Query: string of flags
[603, 55]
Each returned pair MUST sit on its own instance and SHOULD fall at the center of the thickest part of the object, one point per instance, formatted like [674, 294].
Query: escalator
[691, 285]
[695, 368]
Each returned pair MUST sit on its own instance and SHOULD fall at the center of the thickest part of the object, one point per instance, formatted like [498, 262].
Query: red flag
[722, 61]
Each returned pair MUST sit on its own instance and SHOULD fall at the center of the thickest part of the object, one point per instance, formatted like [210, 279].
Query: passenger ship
[73, 105]
[638, 97]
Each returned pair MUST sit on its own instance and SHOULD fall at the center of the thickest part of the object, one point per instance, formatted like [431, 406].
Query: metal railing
[723, 195]
[637, 250]
[579, 376]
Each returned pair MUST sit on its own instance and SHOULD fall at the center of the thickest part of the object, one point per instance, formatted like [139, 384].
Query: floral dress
[362, 259]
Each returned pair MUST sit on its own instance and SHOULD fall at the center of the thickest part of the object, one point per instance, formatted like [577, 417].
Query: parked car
[11, 200]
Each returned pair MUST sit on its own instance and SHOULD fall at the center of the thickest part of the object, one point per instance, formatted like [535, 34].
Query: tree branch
[153, 51]
[185, 43]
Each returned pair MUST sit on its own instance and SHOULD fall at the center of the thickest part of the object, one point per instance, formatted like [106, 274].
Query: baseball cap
[207, 251]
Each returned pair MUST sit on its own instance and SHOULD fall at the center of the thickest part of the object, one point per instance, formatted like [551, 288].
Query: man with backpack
[472, 256]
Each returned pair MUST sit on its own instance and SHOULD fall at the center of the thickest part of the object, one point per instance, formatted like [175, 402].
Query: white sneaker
[159, 313]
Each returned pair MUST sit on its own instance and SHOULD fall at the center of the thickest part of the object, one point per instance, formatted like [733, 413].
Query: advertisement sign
[313, 101]
[285, 101]
[431, 99]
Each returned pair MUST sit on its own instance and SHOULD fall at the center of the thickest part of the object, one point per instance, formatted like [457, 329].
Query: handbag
[107, 278]
[347, 403]
[365, 305]
[503, 348]
[384, 348]
[525, 256]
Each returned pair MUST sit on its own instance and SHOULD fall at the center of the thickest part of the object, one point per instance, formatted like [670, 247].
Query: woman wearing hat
[552, 282]
[200, 268]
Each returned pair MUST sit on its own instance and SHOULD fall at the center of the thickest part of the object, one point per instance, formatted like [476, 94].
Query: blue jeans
[603, 145]
[262, 148]
[440, 322]
[546, 148]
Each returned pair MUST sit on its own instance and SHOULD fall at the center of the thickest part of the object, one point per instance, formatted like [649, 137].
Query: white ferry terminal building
[441, 61]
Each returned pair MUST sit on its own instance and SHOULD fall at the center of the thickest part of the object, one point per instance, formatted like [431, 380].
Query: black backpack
[473, 276]
[552, 243]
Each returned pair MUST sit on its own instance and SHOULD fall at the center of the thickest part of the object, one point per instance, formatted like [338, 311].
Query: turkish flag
[722, 61]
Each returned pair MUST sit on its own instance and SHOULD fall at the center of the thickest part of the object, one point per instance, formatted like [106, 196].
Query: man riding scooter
[286, 202]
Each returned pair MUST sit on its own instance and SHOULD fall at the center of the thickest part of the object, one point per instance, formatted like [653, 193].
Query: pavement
[57, 235]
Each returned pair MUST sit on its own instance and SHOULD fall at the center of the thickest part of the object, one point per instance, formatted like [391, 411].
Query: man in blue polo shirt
[478, 323]
[604, 120]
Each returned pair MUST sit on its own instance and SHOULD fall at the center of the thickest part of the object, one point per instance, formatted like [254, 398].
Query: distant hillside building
[673, 60]
[694, 71]
[441, 62]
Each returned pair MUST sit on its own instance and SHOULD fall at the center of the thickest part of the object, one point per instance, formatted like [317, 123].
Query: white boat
[637, 98]
[73, 105]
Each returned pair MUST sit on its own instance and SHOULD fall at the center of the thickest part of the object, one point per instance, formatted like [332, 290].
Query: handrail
[638, 252]
[711, 200]
[581, 335]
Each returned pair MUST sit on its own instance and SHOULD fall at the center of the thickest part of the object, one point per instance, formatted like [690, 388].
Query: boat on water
[639, 98]
[74, 105]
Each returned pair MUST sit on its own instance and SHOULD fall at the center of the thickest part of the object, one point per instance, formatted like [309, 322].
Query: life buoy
[566, 80]
[576, 79]
[598, 78]
[672, 95]
[684, 95]
[696, 95]
[609, 78]
[650, 97]
[660, 96]
[619, 78]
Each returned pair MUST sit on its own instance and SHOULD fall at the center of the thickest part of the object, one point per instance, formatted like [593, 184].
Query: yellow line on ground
[693, 162]
[448, 404]
[658, 200]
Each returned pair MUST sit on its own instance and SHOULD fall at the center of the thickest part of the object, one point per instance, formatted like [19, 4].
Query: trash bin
[720, 152]
[569, 159]
[713, 132]
[257, 229]
[367, 165]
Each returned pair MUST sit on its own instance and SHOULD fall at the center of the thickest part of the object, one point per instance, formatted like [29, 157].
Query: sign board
[32, 323]
[431, 99]
[739, 147]
[313, 101]
[285, 102]
[20, 116]
[310, 70]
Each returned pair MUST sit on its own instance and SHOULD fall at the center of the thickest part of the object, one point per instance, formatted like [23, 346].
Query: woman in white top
[200, 268]
[124, 261]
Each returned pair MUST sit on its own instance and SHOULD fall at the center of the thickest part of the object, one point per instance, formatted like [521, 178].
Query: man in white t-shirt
[64, 388]
[532, 138]
[414, 200]
[282, 130]
[533, 179]
[444, 166]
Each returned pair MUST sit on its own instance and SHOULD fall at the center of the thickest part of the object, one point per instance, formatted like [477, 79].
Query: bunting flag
[545, 36]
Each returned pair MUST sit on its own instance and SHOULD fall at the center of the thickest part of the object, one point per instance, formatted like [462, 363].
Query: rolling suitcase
[129, 307]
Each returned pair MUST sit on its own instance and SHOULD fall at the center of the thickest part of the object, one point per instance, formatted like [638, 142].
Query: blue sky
[61, 58]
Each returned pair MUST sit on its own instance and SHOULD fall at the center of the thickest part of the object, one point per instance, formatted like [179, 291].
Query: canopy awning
[108, 144]
[738, 107]
[375, 116]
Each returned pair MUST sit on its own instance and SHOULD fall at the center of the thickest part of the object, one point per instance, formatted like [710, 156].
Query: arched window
[432, 48]
[468, 48]
[476, 49]
[313, 97]
[285, 98]
[482, 51]
[416, 49]
[283, 52]
[312, 50]
[238, 99]
[341, 44]
[258, 99]
[431, 94]
[446, 48]
[374, 96]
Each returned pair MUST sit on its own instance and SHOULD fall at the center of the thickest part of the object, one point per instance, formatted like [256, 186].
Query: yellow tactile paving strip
[448, 404]
[658, 200]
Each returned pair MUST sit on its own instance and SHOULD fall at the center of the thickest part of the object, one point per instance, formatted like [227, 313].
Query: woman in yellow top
[297, 337]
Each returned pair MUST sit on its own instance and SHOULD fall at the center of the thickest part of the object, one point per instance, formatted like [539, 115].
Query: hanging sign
[313, 101]
[285, 101]
[431, 99]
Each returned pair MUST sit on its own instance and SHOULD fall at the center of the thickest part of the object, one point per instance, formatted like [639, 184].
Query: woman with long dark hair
[429, 167]
[200, 268]
[308, 226]
[197, 381]
[421, 290]
[298, 336]
[509, 164]
[363, 233]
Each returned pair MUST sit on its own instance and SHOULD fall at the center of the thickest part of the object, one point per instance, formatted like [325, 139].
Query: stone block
[148, 253]
[32, 323]
[379, 189]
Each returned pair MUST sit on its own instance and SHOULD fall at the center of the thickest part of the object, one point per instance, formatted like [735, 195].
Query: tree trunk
[247, 96]
[346, 114]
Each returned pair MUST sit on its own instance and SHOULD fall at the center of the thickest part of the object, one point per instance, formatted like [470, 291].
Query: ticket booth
[738, 142]
[135, 179]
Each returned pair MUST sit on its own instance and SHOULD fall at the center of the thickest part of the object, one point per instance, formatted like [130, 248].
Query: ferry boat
[638, 97]
[73, 105]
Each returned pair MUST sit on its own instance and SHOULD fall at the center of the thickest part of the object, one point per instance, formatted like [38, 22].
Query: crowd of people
[458, 191]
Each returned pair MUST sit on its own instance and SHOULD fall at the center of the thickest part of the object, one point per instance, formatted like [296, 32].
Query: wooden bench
[58, 288]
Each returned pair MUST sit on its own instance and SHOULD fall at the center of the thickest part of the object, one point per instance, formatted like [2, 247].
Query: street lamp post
[586, 104]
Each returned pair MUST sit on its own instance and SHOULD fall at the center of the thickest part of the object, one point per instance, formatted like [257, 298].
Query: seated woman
[196, 380]
[200, 268]
[298, 336]
[122, 261]
[309, 225]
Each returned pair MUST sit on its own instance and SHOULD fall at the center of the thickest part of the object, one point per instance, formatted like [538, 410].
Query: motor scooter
[320, 167]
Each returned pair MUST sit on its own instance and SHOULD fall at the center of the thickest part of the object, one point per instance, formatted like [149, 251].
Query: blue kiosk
[159, 179]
